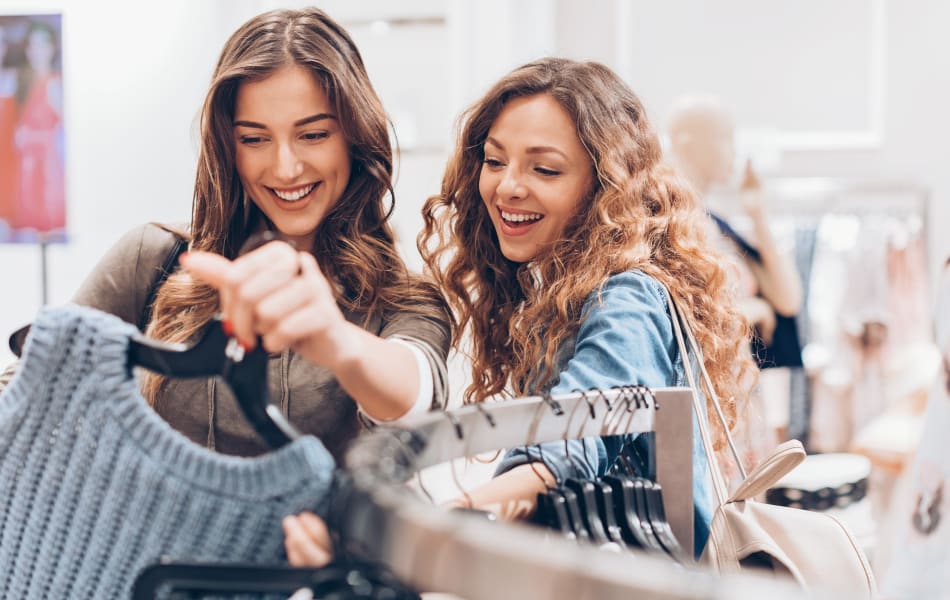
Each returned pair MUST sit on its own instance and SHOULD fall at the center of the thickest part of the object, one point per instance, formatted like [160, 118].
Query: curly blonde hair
[354, 245]
[638, 215]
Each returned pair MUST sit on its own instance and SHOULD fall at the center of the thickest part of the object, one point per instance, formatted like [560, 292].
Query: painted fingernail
[227, 327]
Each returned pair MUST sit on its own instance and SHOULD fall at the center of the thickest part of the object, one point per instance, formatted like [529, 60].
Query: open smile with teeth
[293, 195]
[520, 218]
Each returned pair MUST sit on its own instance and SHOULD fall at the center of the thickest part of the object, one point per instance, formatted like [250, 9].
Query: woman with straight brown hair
[294, 141]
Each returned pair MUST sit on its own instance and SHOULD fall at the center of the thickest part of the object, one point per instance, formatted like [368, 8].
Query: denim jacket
[626, 338]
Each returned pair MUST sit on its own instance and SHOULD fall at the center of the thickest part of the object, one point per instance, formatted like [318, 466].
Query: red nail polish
[228, 329]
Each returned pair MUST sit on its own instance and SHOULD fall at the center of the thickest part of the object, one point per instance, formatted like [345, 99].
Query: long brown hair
[638, 215]
[354, 244]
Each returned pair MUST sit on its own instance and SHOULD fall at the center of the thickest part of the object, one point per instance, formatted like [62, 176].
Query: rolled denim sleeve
[625, 338]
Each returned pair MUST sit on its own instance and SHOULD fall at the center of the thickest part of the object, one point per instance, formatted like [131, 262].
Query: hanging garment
[915, 564]
[96, 486]
[800, 394]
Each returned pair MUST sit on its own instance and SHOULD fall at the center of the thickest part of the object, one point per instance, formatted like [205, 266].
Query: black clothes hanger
[635, 532]
[551, 510]
[558, 510]
[653, 498]
[218, 354]
[586, 492]
[572, 504]
[606, 509]
[345, 579]
[563, 495]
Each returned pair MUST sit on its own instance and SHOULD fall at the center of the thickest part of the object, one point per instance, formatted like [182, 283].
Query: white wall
[863, 98]
[135, 74]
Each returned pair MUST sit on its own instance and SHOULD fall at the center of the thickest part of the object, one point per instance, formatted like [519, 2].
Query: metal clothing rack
[376, 518]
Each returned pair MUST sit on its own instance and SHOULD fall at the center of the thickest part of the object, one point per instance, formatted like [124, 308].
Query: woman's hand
[307, 540]
[751, 193]
[279, 294]
[761, 316]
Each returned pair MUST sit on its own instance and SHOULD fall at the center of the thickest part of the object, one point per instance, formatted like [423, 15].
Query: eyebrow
[531, 150]
[298, 123]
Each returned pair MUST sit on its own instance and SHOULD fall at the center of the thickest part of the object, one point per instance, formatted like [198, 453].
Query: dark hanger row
[621, 507]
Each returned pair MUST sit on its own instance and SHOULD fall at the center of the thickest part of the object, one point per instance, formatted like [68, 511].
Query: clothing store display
[97, 486]
[308, 395]
[868, 311]
[378, 518]
[815, 549]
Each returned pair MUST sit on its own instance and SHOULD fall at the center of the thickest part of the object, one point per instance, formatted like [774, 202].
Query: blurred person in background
[701, 135]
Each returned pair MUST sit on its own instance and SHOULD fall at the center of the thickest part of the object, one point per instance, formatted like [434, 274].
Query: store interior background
[847, 91]
[851, 89]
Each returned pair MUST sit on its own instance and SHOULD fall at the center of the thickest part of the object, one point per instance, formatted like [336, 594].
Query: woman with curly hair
[294, 141]
[556, 235]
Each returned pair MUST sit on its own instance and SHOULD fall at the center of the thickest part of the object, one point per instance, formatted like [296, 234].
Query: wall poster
[32, 157]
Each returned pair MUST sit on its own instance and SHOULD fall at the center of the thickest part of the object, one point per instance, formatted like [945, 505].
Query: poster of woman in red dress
[32, 161]
[8, 117]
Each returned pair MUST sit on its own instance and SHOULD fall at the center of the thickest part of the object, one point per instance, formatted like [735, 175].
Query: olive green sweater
[206, 411]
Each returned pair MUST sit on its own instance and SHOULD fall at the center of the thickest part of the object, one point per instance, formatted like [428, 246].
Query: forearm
[777, 275]
[513, 494]
[382, 376]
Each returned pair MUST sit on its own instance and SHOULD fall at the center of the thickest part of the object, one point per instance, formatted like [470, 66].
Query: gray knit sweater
[94, 486]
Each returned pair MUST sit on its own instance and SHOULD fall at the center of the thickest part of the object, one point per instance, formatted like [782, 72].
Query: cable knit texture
[95, 486]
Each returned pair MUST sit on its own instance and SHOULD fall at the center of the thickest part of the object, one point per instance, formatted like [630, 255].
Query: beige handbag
[814, 548]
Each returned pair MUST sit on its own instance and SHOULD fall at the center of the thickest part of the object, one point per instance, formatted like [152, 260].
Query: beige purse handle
[679, 325]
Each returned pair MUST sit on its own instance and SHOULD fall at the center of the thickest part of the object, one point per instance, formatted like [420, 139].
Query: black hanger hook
[555, 407]
[455, 423]
[590, 405]
[603, 397]
[488, 416]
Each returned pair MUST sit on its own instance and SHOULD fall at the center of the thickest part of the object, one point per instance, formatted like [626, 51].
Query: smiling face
[535, 175]
[40, 50]
[291, 155]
